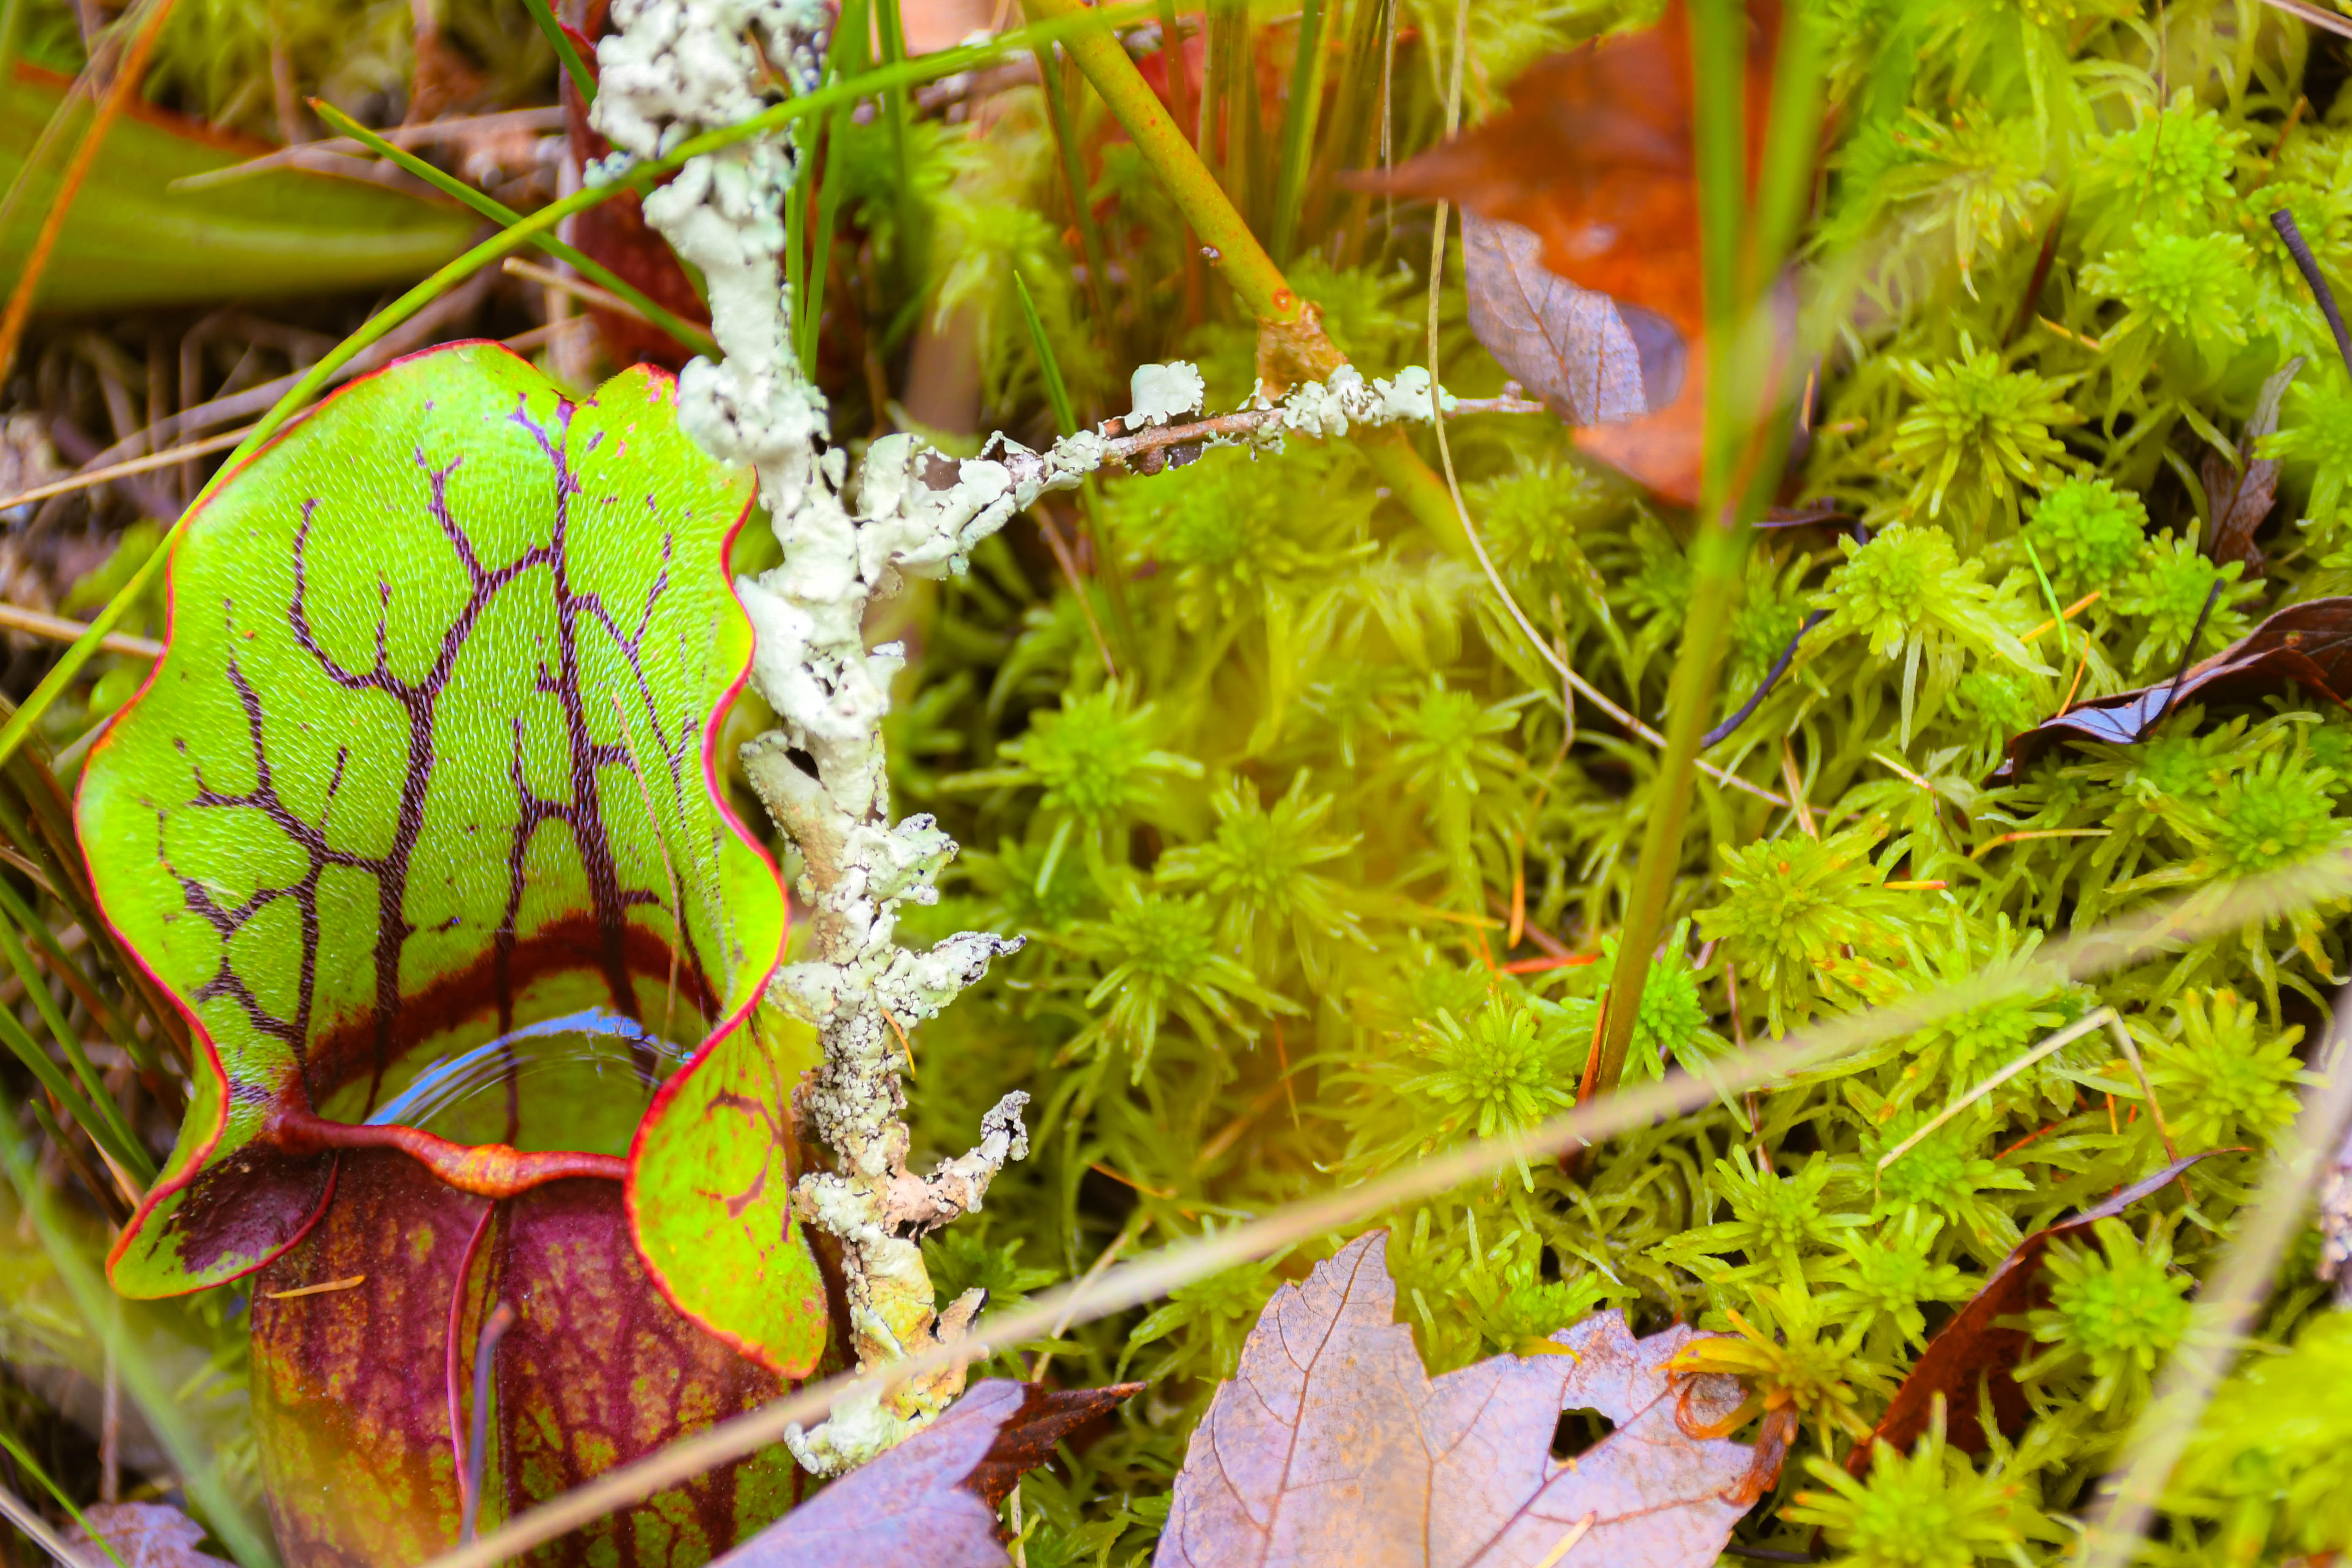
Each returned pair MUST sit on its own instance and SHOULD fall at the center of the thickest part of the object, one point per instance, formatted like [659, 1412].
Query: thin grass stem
[584, 80]
[18, 1452]
[1298, 131]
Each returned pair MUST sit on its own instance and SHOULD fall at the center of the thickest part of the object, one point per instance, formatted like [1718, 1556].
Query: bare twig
[2325, 20]
[58, 628]
[548, 278]
[89, 477]
[27, 1518]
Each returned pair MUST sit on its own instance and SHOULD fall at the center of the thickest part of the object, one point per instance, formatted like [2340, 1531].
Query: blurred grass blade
[687, 334]
[246, 1541]
[584, 80]
[1057, 391]
[60, 1089]
[32, 1467]
[1297, 130]
[75, 978]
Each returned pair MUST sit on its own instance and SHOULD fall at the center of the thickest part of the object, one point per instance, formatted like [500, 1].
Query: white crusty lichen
[674, 69]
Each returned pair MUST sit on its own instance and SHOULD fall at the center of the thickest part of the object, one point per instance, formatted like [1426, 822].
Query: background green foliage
[1266, 851]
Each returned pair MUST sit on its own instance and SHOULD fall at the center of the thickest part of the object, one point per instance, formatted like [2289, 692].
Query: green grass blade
[77, 979]
[1298, 130]
[582, 80]
[525, 231]
[688, 334]
[119, 1141]
[1057, 391]
[246, 1541]
[848, 59]
[18, 1452]
[1074, 176]
[52, 1077]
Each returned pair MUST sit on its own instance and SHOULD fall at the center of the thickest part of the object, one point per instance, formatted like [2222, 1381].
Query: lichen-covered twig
[676, 69]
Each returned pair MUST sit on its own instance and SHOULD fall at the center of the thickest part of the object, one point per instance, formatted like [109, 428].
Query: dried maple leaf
[1983, 1339]
[143, 1535]
[1331, 1445]
[2308, 644]
[931, 1502]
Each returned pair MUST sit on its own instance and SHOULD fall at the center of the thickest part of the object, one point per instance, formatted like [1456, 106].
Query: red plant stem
[485, 1170]
[127, 72]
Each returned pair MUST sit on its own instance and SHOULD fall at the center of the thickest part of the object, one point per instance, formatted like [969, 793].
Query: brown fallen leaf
[1332, 1446]
[2308, 644]
[1588, 176]
[615, 232]
[931, 1502]
[2239, 495]
[1977, 1345]
[144, 1535]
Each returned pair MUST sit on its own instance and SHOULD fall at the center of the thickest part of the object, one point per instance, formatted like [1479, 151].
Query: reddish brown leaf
[144, 1535]
[931, 1502]
[2308, 644]
[615, 232]
[1593, 156]
[1587, 177]
[1977, 1343]
[2239, 495]
[1332, 1446]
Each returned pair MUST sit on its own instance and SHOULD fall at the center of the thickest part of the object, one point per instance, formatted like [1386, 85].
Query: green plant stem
[1741, 461]
[119, 1141]
[246, 1541]
[1298, 128]
[686, 333]
[584, 80]
[849, 57]
[524, 231]
[1074, 178]
[1243, 262]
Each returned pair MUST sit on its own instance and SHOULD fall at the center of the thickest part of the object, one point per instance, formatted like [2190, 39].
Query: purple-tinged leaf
[931, 1502]
[1332, 1446]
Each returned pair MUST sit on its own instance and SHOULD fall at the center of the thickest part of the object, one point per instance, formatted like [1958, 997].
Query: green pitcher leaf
[416, 818]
